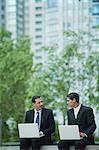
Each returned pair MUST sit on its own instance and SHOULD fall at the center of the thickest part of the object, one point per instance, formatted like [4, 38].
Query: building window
[2, 7]
[38, 57]
[2, 16]
[95, 9]
[38, 36]
[84, 1]
[68, 24]
[38, 0]
[95, 22]
[37, 50]
[38, 8]
[38, 15]
[95, 0]
[52, 3]
[12, 2]
[38, 29]
[38, 22]
[38, 43]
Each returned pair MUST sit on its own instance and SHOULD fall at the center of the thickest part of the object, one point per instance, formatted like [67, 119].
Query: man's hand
[82, 134]
[41, 134]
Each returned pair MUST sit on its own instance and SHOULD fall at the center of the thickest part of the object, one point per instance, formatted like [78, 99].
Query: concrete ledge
[49, 147]
[55, 147]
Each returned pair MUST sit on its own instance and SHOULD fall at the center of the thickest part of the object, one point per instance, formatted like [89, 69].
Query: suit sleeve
[91, 122]
[51, 124]
[68, 118]
[25, 119]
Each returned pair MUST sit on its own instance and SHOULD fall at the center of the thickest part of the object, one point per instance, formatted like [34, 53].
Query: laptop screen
[28, 130]
[69, 132]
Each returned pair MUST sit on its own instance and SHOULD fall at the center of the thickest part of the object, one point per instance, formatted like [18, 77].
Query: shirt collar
[77, 108]
[37, 111]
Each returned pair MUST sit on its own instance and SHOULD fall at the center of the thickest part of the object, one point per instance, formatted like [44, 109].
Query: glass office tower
[15, 17]
[2, 13]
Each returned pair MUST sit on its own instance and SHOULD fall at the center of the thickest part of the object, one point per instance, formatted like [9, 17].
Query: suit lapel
[42, 117]
[72, 113]
[80, 112]
[32, 116]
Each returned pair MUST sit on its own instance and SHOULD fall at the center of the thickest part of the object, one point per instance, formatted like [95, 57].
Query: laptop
[69, 132]
[28, 130]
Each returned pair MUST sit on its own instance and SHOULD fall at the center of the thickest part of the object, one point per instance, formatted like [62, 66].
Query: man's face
[38, 103]
[71, 103]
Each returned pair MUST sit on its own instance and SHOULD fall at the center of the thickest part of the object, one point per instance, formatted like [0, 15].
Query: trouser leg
[64, 144]
[25, 144]
[79, 145]
[36, 144]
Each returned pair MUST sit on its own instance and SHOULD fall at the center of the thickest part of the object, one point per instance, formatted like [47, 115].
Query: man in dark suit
[44, 118]
[83, 117]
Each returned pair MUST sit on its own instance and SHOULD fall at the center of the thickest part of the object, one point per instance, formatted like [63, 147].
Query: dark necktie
[37, 118]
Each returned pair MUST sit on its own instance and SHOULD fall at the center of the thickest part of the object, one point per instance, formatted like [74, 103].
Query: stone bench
[55, 147]
[49, 147]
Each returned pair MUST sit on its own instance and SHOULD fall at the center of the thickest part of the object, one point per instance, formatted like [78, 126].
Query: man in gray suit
[45, 119]
[83, 117]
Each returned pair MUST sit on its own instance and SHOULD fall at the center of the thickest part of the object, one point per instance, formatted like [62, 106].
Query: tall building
[47, 26]
[95, 24]
[44, 21]
[27, 17]
[76, 17]
[54, 24]
[2, 13]
[95, 13]
[12, 16]
[50, 18]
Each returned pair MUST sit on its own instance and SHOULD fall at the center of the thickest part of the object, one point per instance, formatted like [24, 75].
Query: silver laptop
[69, 132]
[28, 130]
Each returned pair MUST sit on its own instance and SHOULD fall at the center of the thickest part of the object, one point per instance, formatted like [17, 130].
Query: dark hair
[73, 95]
[34, 98]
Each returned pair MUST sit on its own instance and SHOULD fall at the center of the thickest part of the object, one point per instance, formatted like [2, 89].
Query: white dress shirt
[35, 116]
[76, 110]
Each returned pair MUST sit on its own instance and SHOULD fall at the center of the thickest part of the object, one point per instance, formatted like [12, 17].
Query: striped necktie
[37, 118]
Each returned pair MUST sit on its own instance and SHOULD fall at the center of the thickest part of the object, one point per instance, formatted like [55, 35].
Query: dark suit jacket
[85, 120]
[47, 121]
